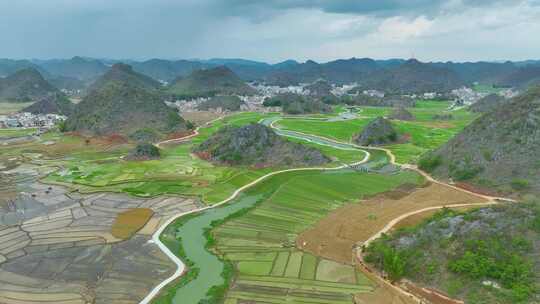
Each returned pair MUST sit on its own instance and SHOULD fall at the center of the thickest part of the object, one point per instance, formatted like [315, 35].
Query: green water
[192, 231]
[193, 241]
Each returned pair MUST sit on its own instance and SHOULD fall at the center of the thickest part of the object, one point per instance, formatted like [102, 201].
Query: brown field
[334, 236]
[418, 218]
[200, 118]
[129, 222]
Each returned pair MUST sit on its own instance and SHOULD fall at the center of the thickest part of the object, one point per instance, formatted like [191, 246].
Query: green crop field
[424, 133]
[16, 132]
[294, 201]
[92, 167]
[12, 107]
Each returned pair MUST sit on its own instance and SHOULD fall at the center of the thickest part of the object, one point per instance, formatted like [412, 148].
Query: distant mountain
[412, 76]
[124, 73]
[500, 150]
[9, 66]
[67, 83]
[483, 72]
[215, 81]
[24, 86]
[521, 78]
[167, 70]
[257, 145]
[56, 103]
[122, 103]
[76, 67]
[339, 71]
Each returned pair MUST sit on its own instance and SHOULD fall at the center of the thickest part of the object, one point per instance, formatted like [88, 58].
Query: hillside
[378, 132]
[56, 103]
[24, 86]
[257, 145]
[124, 73]
[401, 113]
[521, 78]
[320, 88]
[297, 104]
[488, 255]
[499, 150]
[412, 77]
[215, 81]
[118, 107]
[487, 103]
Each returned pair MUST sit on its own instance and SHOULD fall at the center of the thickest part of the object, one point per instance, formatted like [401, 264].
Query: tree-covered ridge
[124, 109]
[483, 256]
[297, 104]
[25, 85]
[257, 145]
[55, 103]
[209, 82]
[124, 73]
[500, 150]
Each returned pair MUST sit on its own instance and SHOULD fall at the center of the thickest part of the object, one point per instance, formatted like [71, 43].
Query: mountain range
[364, 71]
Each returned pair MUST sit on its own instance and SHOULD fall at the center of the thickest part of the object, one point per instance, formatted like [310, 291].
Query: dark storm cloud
[266, 29]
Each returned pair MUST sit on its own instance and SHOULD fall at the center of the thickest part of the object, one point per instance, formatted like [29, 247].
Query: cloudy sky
[271, 30]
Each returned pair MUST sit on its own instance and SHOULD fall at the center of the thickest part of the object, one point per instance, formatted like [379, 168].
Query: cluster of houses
[29, 120]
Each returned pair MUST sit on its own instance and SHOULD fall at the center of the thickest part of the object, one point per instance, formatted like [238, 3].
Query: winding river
[192, 232]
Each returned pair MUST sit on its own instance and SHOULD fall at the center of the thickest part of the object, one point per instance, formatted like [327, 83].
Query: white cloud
[401, 29]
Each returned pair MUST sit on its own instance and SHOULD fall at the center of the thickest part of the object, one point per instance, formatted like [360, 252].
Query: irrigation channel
[191, 230]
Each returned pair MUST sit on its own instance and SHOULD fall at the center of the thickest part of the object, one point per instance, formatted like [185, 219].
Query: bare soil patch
[129, 222]
[335, 236]
[200, 117]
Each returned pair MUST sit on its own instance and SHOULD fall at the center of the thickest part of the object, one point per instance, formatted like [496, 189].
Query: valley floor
[287, 238]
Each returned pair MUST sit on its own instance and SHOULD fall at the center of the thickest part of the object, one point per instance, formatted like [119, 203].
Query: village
[29, 120]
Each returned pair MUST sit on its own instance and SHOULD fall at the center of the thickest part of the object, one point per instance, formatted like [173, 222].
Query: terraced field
[259, 241]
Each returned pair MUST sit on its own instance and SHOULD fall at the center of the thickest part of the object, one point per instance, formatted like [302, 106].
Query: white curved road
[181, 266]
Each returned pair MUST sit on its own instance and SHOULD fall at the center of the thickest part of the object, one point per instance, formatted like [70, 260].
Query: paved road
[180, 265]
[318, 140]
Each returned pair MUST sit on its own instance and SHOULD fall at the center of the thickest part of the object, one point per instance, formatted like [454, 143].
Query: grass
[425, 132]
[296, 200]
[127, 223]
[178, 172]
[16, 132]
[485, 88]
[12, 107]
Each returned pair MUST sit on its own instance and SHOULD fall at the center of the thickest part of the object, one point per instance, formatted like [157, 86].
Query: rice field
[425, 132]
[16, 132]
[261, 243]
